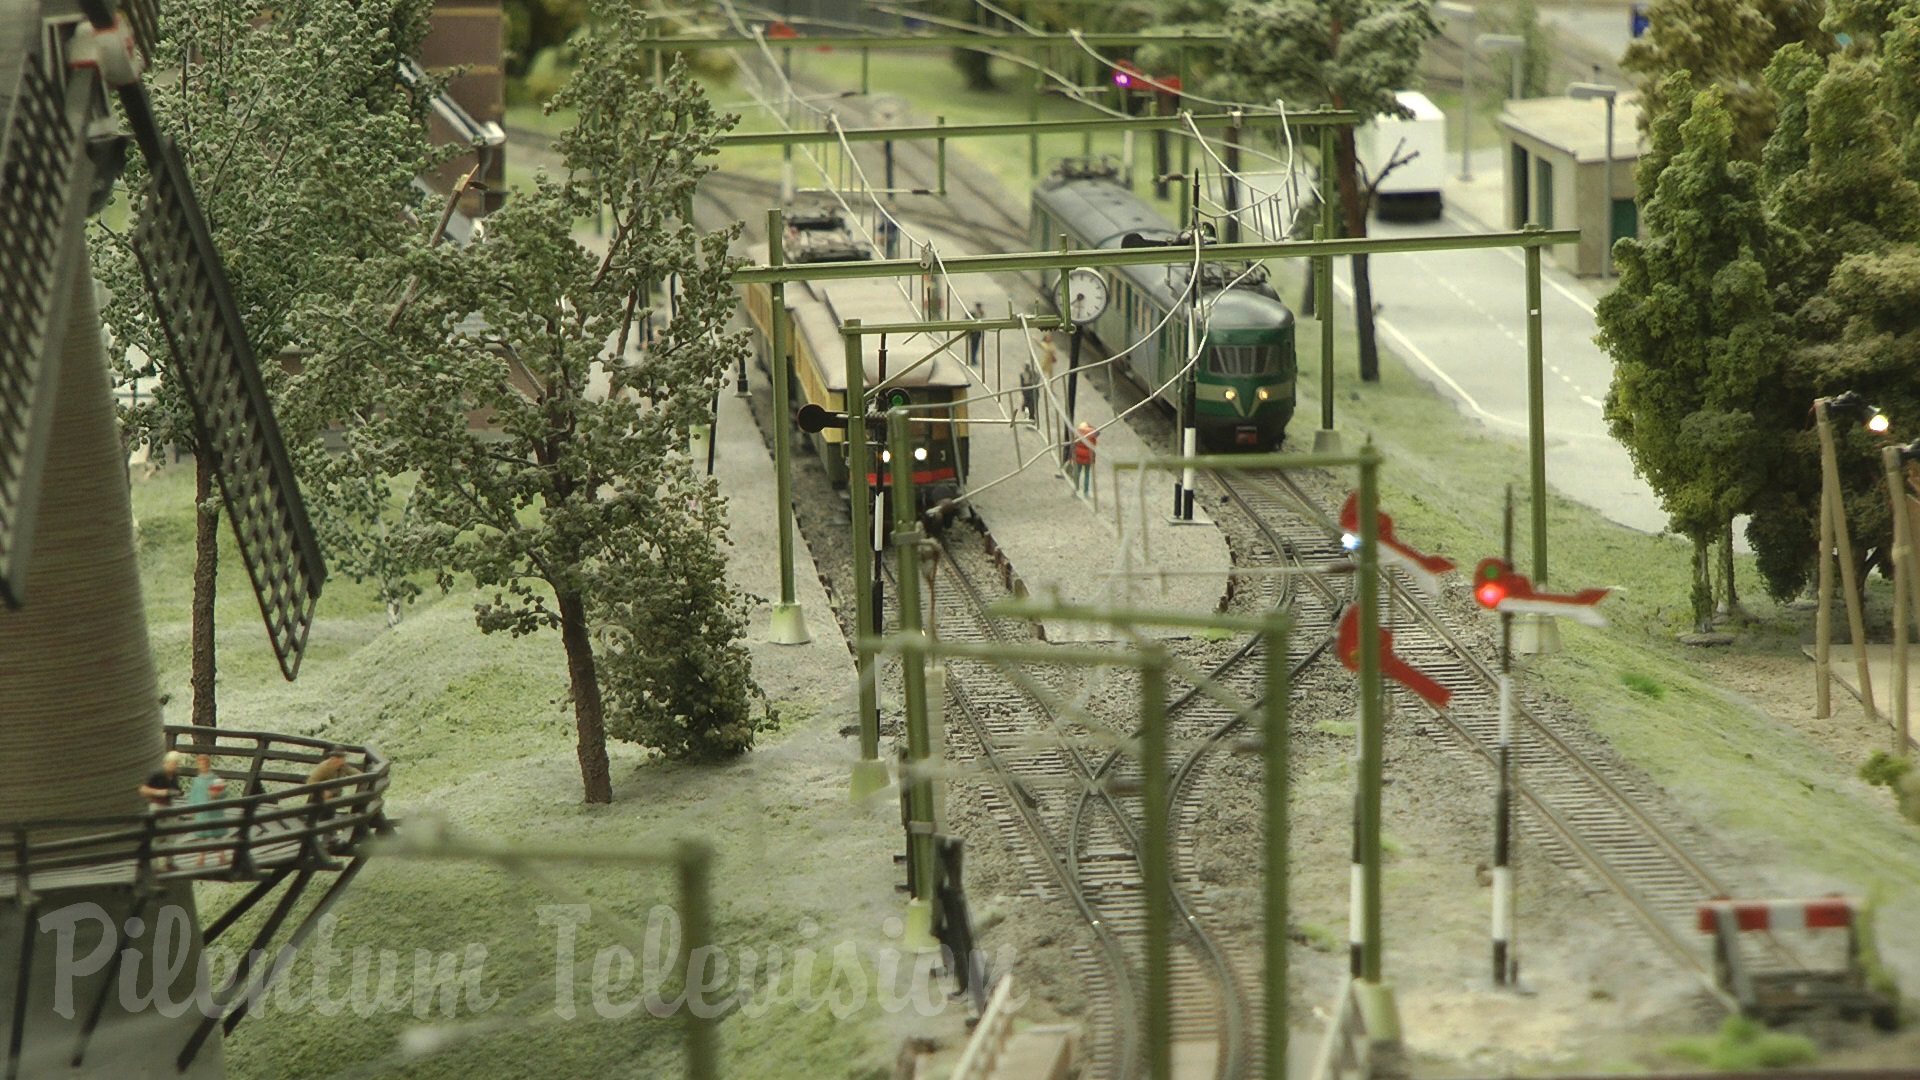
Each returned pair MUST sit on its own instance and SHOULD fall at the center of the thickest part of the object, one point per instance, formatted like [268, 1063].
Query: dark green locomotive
[1241, 390]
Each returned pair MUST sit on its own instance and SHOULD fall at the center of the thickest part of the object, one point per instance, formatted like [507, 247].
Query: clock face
[1086, 296]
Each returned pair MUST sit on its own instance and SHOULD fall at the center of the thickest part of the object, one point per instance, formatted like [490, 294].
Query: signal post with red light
[1498, 587]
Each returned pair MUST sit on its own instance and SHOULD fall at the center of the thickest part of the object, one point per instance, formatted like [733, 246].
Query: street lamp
[1450, 10]
[1587, 92]
[1514, 46]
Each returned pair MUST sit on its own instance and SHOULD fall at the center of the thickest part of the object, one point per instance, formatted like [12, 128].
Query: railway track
[1585, 809]
[1074, 837]
[1055, 801]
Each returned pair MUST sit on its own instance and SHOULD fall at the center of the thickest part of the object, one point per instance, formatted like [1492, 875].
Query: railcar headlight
[1232, 393]
[919, 453]
[886, 456]
[1263, 393]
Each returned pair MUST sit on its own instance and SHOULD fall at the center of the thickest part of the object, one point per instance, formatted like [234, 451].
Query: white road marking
[1428, 363]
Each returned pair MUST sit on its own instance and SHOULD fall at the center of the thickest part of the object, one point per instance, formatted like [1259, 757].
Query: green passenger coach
[1223, 346]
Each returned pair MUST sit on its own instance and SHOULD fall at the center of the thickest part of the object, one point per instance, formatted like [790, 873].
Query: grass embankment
[480, 734]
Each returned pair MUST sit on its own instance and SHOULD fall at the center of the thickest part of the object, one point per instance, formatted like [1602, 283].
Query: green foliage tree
[301, 143]
[1723, 43]
[1845, 219]
[579, 503]
[1692, 330]
[1350, 54]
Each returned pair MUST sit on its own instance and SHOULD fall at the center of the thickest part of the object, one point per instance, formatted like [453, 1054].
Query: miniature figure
[1083, 455]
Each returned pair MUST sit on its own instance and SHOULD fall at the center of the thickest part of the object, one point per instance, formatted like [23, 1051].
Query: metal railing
[278, 818]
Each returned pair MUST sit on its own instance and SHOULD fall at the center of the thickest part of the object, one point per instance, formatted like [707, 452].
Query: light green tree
[1692, 331]
[574, 498]
[1350, 54]
[301, 143]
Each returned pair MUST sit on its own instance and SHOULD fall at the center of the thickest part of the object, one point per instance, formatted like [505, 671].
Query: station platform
[1118, 544]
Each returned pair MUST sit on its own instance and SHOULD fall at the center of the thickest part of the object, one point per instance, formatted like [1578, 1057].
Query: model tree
[1692, 331]
[301, 142]
[1350, 54]
[1723, 43]
[1844, 209]
[543, 395]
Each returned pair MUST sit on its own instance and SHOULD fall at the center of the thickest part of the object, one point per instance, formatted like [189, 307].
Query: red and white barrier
[1826, 913]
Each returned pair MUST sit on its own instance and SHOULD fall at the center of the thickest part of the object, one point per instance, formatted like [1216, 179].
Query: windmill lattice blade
[215, 365]
[146, 24]
[43, 182]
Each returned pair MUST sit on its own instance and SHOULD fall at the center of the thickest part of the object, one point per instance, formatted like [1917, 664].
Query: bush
[1743, 1045]
[674, 672]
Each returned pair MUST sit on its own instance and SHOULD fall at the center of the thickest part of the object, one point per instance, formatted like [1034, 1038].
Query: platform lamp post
[1583, 91]
[1895, 459]
[1837, 545]
[1515, 47]
[1448, 10]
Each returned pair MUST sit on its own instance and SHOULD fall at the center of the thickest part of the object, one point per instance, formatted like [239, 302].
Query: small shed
[1556, 172]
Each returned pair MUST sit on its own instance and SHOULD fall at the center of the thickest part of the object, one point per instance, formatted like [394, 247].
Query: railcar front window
[1244, 360]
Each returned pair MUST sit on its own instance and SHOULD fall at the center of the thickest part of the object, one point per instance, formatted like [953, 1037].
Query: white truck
[1411, 191]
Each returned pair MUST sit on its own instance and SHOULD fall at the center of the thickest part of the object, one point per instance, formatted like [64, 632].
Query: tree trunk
[1702, 585]
[206, 563]
[1363, 321]
[1730, 597]
[588, 714]
[1353, 207]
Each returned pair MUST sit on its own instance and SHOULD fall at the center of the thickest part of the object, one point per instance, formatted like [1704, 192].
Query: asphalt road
[1460, 319]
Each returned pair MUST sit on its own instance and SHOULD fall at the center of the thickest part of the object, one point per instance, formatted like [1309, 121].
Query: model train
[934, 391]
[1241, 392]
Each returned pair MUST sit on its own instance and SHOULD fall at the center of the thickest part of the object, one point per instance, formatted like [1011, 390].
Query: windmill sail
[216, 367]
[42, 212]
[214, 362]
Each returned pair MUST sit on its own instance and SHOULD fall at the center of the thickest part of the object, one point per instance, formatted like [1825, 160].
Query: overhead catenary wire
[1191, 293]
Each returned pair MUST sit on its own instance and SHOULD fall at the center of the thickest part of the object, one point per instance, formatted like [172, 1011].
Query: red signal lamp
[1492, 582]
[780, 30]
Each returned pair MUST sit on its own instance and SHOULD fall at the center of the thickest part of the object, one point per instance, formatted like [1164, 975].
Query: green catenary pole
[1033, 113]
[1323, 285]
[1028, 262]
[789, 623]
[702, 1017]
[1097, 125]
[914, 682]
[1155, 866]
[870, 774]
[1536, 417]
[1274, 750]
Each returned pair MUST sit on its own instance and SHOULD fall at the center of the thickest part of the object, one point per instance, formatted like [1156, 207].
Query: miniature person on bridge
[161, 787]
[208, 787]
[333, 765]
[1030, 392]
[1083, 455]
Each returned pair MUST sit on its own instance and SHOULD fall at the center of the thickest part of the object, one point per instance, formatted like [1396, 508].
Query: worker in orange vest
[1083, 445]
